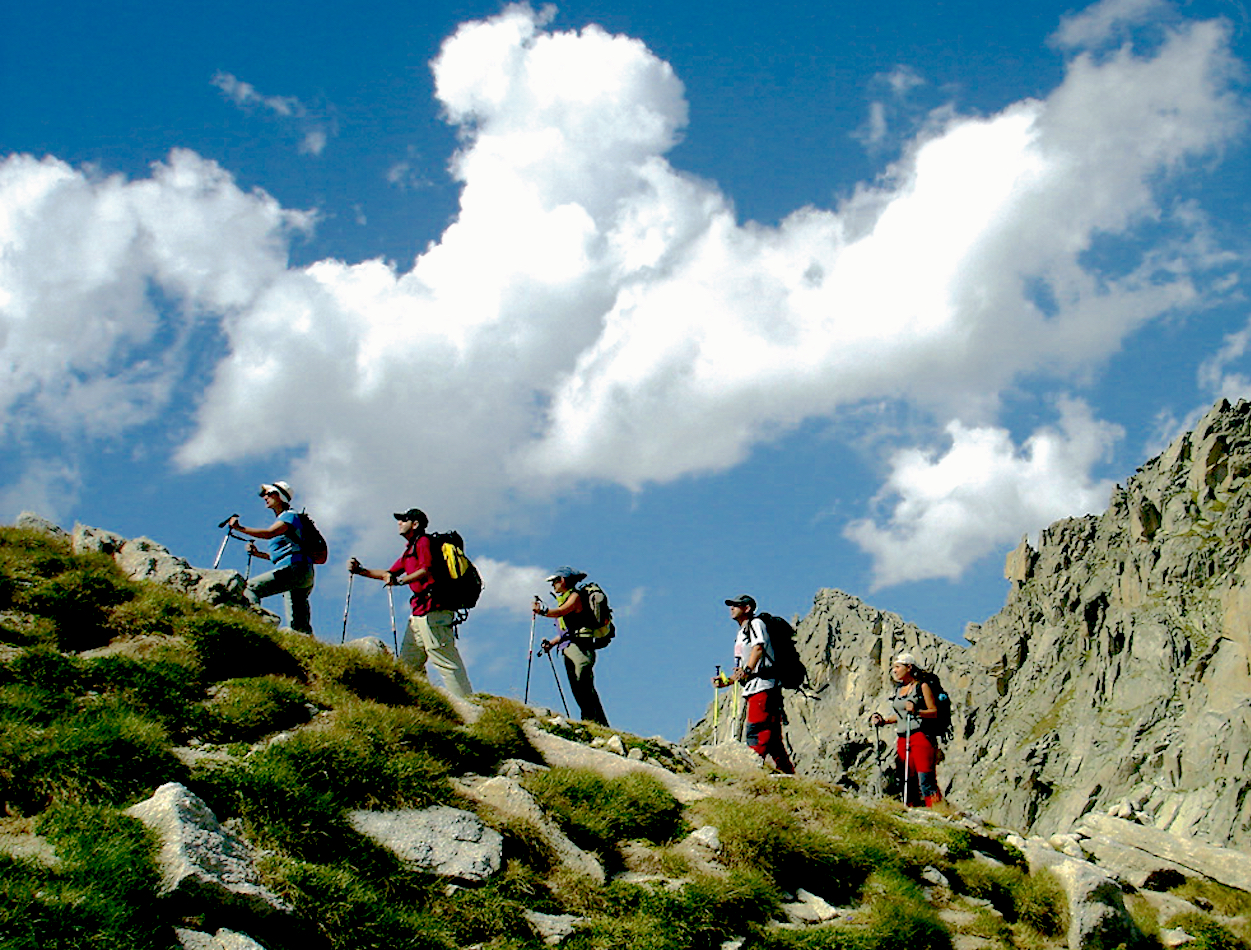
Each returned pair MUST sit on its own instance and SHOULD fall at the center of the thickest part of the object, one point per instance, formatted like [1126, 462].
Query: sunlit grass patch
[1036, 900]
[341, 674]
[101, 753]
[244, 710]
[103, 892]
[700, 915]
[351, 913]
[597, 812]
[762, 833]
[167, 691]
[1208, 933]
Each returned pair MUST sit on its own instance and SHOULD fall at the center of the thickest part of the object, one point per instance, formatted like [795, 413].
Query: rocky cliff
[1117, 671]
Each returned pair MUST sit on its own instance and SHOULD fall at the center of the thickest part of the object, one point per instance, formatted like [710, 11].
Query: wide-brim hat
[281, 488]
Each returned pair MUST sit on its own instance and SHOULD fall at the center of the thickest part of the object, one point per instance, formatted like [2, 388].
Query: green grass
[102, 894]
[801, 838]
[598, 812]
[1208, 933]
[1036, 900]
[244, 710]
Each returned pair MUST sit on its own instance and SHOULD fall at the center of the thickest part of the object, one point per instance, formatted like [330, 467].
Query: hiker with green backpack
[437, 596]
[292, 574]
[918, 722]
[762, 687]
[586, 626]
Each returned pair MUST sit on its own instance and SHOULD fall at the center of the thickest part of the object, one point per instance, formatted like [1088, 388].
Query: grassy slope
[190, 693]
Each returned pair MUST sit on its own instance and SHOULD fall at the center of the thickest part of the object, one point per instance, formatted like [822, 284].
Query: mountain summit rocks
[1117, 670]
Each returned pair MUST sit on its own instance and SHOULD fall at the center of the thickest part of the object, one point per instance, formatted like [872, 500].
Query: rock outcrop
[1118, 668]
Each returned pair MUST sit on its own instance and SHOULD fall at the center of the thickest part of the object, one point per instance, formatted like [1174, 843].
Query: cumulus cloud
[1107, 20]
[85, 349]
[316, 129]
[982, 494]
[593, 313]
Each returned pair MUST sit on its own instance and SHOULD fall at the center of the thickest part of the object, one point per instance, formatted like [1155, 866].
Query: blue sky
[701, 300]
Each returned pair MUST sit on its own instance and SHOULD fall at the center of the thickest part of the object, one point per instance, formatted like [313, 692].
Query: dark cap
[413, 514]
[742, 600]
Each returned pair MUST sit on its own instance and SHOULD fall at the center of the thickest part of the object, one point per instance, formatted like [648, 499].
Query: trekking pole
[346, 604]
[222, 547]
[877, 756]
[529, 657]
[247, 575]
[716, 704]
[557, 679]
[395, 637]
[907, 754]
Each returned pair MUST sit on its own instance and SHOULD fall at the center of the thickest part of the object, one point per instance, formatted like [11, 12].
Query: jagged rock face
[1118, 667]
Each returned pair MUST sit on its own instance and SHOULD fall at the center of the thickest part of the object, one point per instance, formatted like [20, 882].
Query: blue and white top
[285, 549]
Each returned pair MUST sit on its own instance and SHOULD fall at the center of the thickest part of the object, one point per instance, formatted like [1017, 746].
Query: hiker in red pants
[916, 714]
[761, 692]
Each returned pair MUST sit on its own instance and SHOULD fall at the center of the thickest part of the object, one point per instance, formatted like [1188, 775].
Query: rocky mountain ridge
[289, 719]
[1117, 671]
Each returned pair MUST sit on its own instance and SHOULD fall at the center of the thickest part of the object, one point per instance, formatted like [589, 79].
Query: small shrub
[244, 710]
[597, 812]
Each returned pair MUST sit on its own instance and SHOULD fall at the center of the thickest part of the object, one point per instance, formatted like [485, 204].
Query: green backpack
[597, 607]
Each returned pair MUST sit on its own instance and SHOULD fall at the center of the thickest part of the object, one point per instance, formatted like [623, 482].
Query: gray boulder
[551, 928]
[29, 521]
[200, 860]
[507, 796]
[1098, 919]
[442, 840]
[1141, 855]
[222, 940]
[370, 646]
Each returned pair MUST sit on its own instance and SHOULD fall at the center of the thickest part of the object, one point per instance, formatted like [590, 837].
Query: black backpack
[457, 583]
[786, 667]
[311, 541]
[940, 727]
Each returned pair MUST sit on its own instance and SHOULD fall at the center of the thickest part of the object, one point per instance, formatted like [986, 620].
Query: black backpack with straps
[785, 665]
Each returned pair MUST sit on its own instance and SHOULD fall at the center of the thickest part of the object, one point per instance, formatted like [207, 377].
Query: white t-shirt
[749, 634]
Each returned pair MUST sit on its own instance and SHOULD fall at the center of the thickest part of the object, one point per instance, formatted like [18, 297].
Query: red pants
[922, 756]
[764, 727]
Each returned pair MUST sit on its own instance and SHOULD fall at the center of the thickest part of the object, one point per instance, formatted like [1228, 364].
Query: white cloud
[83, 348]
[1107, 20]
[982, 494]
[316, 129]
[593, 313]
